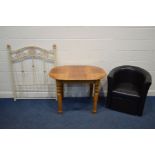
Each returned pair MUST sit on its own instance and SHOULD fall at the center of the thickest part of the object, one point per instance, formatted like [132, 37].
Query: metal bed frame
[29, 68]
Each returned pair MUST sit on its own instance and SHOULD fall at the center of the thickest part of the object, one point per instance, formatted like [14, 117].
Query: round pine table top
[77, 73]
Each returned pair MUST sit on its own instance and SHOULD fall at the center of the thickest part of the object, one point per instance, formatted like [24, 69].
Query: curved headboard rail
[32, 52]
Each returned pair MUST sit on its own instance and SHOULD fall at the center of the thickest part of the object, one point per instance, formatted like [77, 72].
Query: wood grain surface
[77, 73]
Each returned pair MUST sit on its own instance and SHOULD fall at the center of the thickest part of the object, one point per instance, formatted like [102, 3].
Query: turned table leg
[62, 90]
[59, 86]
[96, 94]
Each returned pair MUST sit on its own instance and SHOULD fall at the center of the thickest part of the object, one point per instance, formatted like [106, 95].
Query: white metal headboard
[29, 72]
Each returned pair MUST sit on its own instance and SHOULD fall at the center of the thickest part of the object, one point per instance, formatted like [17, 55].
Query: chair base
[125, 106]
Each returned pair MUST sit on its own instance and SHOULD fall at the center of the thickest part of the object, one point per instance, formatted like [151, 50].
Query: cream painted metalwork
[29, 68]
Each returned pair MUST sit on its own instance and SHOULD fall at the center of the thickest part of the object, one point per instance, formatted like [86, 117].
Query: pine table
[77, 74]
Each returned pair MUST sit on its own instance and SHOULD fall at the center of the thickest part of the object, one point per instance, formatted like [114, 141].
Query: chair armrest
[112, 77]
[148, 79]
[146, 85]
[111, 83]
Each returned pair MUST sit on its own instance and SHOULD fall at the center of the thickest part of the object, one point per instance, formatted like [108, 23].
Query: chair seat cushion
[126, 89]
[125, 98]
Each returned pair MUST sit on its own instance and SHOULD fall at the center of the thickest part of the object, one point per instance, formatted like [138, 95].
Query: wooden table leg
[96, 94]
[59, 94]
[91, 85]
[62, 90]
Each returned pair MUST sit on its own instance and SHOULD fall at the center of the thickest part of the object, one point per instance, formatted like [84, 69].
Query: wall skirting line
[8, 94]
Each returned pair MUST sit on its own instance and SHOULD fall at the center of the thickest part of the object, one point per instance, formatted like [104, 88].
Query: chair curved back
[130, 74]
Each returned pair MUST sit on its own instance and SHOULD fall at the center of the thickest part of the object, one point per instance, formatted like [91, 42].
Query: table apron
[77, 81]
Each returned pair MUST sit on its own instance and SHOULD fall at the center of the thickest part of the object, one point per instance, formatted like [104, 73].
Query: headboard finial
[8, 46]
[54, 46]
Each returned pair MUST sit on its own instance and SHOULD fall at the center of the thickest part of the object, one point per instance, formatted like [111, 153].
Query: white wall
[106, 47]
